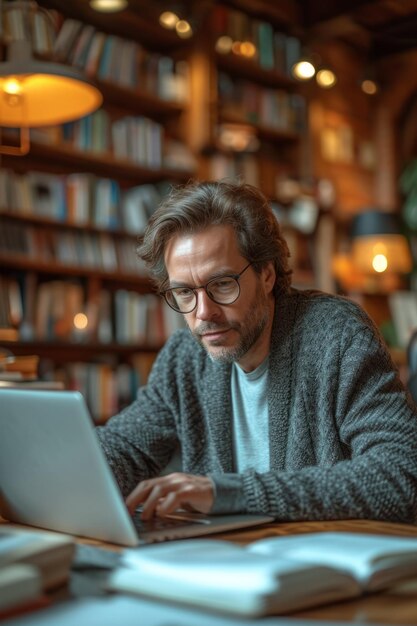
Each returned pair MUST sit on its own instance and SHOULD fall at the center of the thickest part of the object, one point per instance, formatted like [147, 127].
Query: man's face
[235, 332]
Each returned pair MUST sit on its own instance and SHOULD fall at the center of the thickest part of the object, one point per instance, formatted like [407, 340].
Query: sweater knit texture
[342, 428]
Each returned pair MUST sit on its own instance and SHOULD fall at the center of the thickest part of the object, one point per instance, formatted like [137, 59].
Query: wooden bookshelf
[64, 351]
[47, 222]
[127, 281]
[138, 100]
[265, 133]
[250, 70]
[139, 25]
[32, 272]
[62, 159]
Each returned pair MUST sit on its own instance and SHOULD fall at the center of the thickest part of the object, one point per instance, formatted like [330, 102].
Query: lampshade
[378, 245]
[39, 93]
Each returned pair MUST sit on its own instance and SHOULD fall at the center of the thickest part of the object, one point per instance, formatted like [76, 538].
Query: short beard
[249, 334]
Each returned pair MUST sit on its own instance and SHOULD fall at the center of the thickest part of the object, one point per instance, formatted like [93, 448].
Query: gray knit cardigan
[342, 429]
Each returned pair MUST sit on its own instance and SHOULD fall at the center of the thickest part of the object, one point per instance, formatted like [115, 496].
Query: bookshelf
[72, 209]
[257, 114]
[67, 227]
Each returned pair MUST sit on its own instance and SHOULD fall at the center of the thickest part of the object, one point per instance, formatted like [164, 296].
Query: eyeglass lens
[224, 290]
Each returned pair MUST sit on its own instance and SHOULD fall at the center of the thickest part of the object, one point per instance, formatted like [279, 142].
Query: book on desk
[31, 562]
[21, 372]
[269, 576]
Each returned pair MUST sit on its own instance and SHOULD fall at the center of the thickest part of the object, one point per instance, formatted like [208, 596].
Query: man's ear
[269, 276]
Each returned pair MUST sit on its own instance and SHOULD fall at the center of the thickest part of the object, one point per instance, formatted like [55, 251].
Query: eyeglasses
[222, 290]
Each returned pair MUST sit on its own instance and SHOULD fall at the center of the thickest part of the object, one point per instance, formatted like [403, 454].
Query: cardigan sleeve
[140, 441]
[376, 423]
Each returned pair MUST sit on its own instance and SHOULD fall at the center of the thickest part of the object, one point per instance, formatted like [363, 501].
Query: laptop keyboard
[165, 523]
[156, 523]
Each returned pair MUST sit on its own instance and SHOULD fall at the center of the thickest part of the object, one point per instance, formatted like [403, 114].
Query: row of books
[17, 368]
[127, 138]
[274, 108]
[29, 23]
[239, 166]
[143, 318]
[99, 251]
[64, 310]
[80, 199]
[273, 50]
[106, 388]
[10, 304]
[121, 61]
[134, 138]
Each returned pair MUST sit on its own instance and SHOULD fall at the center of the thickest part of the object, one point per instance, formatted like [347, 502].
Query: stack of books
[31, 563]
[22, 372]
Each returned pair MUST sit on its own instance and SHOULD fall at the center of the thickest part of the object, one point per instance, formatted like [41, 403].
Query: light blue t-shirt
[250, 418]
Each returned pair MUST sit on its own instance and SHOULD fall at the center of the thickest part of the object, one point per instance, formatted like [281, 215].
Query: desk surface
[395, 606]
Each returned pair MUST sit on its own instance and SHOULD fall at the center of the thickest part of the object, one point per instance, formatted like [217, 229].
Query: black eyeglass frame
[235, 277]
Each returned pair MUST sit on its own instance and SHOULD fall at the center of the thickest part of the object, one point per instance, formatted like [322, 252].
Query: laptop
[54, 475]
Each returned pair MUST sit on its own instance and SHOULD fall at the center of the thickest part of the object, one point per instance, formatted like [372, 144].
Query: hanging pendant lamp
[41, 93]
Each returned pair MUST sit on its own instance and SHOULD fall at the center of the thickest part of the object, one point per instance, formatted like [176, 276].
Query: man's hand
[163, 495]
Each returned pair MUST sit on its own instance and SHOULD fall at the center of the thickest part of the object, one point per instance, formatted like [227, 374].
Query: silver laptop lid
[53, 473]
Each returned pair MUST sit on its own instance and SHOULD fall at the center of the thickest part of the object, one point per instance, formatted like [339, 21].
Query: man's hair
[192, 208]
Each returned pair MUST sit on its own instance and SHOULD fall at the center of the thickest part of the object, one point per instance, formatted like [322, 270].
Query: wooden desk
[395, 606]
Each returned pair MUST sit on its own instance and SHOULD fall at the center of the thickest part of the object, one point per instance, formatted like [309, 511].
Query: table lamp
[378, 245]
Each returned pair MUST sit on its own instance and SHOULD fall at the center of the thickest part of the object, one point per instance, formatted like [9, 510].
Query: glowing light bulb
[326, 78]
[13, 92]
[108, 6]
[303, 70]
[380, 263]
[169, 20]
[183, 29]
[248, 49]
[224, 44]
[13, 87]
[80, 321]
[370, 87]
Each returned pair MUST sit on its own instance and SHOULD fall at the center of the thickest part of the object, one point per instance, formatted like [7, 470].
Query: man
[283, 402]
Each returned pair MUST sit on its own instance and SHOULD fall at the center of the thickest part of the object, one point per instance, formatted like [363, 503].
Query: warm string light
[168, 20]
[183, 29]
[108, 6]
[306, 68]
[80, 321]
[171, 21]
[303, 70]
[225, 45]
[326, 78]
[369, 87]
